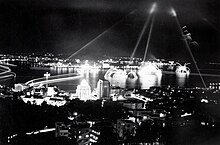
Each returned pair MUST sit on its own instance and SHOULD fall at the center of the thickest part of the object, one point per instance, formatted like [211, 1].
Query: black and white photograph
[109, 72]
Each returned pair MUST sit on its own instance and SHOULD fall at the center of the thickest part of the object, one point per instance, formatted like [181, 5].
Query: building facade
[83, 91]
[103, 89]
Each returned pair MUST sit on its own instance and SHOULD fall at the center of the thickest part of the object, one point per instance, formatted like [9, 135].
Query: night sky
[64, 26]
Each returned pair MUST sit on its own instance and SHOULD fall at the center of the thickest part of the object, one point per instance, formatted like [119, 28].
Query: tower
[103, 89]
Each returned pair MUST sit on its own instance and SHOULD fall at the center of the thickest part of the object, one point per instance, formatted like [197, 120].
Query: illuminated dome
[182, 69]
[115, 73]
[149, 69]
[84, 83]
[83, 90]
[132, 75]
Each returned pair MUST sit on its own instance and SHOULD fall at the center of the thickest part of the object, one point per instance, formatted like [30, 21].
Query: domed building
[83, 90]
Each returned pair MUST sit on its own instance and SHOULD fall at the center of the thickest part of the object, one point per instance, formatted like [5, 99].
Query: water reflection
[129, 80]
[181, 80]
[148, 81]
[117, 81]
[58, 70]
[132, 80]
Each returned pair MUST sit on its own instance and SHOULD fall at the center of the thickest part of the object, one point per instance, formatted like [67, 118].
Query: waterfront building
[83, 90]
[103, 89]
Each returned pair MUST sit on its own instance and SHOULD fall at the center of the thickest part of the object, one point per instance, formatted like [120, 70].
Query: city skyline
[109, 72]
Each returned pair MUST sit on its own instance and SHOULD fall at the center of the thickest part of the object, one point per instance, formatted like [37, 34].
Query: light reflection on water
[181, 80]
[143, 82]
[148, 81]
[119, 81]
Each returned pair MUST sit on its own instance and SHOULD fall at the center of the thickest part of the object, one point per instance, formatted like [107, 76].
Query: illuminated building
[19, 87]
[86, 135]
[106, 64]
[215, 86]
[50, 91]
[182, 69]
[115, 73]
[125, 128]
[116, 92]
[132, 75]
[133, 104]
[55, 101]
[103, 89]
[83, 90]
[61, 129]
[149, 69]
[36, 100]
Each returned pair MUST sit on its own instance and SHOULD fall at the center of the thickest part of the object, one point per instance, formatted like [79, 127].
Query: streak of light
[194, 74]
[51, 77]
[6, 76]
[4, 67]
[213, 26]
[207, 75]
[173, 12]
[41, 131]
[6, 72]
[139, 38]
[188, 48]
[101, 34]
[153, 7]
[149, 37]
[56, 80]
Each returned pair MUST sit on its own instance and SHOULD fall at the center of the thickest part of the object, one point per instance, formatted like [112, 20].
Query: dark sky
[64, 26]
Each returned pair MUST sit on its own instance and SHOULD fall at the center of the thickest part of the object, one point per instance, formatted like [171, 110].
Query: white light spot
[173, 12]
[153, 8]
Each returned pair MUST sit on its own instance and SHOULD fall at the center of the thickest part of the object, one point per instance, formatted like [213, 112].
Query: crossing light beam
[101, 34]
[173, 12]
[153, 8]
